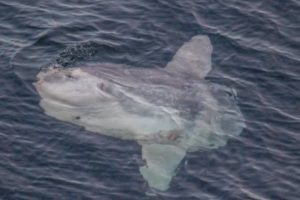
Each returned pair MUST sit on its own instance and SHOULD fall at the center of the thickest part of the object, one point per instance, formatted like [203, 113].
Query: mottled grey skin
[159, 86]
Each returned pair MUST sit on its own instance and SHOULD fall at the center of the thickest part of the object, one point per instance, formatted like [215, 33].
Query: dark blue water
[256, 51]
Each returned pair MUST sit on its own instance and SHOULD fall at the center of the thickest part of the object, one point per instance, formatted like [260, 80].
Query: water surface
[256, 51]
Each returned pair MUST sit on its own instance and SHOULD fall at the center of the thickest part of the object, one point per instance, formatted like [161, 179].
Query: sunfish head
[73, 87]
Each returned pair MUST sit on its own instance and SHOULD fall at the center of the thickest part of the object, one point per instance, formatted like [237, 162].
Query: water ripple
[256, 50]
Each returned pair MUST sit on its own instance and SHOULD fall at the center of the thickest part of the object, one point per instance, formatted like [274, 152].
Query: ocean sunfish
[169, 111]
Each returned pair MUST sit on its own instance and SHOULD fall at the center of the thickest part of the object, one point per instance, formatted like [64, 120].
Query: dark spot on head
[77, 117]
[69, 75]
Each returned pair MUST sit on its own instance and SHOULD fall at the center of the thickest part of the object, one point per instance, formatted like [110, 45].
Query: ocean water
[256, 51]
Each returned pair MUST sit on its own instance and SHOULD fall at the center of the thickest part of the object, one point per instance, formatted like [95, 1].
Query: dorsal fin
[193, 58]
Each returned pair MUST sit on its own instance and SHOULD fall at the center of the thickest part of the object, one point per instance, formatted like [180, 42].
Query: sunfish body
[169, 111]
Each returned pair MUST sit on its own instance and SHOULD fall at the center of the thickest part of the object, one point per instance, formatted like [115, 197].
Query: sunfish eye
[104, 87]
[69, 75]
